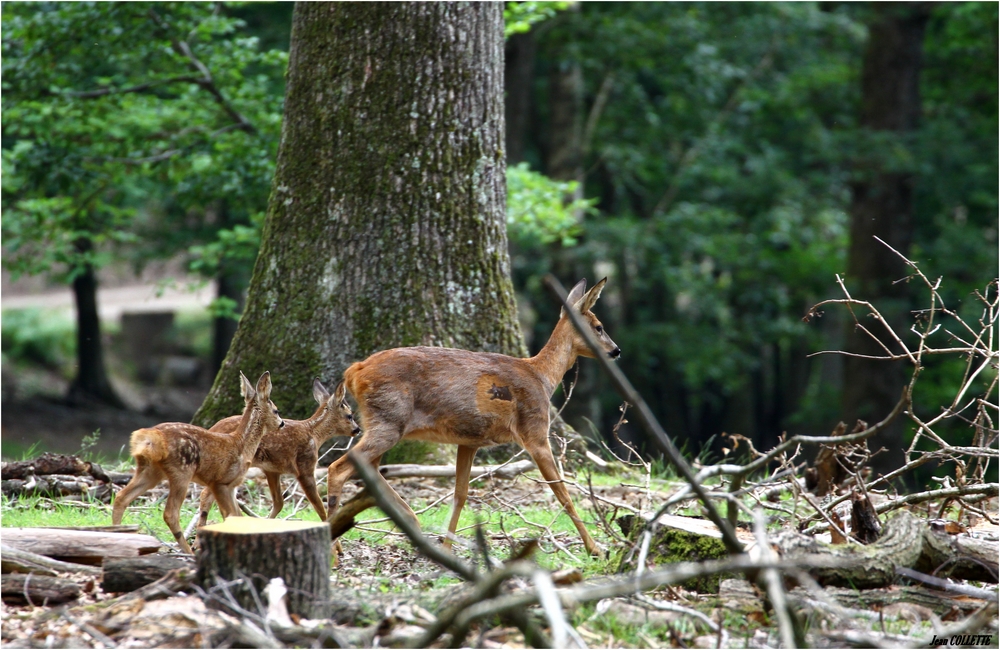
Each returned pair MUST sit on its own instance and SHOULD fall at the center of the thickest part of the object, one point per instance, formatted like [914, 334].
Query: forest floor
[386, 594]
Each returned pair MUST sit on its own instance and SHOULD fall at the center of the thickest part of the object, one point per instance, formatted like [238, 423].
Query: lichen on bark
[386, 222]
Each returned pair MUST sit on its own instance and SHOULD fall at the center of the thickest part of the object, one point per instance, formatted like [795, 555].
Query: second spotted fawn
[181, 453]
[469, 399]
[295, 450]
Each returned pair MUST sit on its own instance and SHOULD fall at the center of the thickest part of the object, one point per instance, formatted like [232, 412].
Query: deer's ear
[320, 393]
[246, 388]
[575, 294]
[595, 292]
[264, 387]
[340, 393]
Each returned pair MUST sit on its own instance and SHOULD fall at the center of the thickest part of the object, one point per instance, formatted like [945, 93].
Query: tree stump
[257, 550]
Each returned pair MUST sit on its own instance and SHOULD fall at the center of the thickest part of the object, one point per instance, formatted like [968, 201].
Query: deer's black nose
[614, 354]
[282, 425]
[356, 431]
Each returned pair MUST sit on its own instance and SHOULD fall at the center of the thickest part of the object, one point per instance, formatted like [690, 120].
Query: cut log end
[253, 551]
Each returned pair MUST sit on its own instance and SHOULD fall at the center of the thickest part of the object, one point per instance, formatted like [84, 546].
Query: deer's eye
[599, 329]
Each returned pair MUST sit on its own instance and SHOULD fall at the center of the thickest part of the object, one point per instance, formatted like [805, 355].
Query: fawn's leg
[277, 498]
[307, 479]
[541, 453]
[204, 506]
[463, 467]
[179, 483]
[225, 496]
[146, 478]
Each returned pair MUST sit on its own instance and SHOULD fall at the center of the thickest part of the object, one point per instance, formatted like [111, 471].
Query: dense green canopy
[713, 151]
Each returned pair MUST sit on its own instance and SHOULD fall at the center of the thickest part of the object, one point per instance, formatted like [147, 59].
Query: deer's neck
[322, 424]
[249, 432]
[553, 360]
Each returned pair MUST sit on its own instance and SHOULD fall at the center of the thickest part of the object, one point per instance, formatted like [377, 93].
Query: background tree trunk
[519, 75]
[882, 206]
[386, 225]
[91, 382]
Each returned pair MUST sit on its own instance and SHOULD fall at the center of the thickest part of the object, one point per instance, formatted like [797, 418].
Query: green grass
[30, 512]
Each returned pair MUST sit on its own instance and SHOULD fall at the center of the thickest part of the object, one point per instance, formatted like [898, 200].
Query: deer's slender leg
[463, 468]
[146, 478]
[277, 498]
[307, 481]
[541, 453]
[204, 506]
[225, 496]
[376, 441]
[179, 483]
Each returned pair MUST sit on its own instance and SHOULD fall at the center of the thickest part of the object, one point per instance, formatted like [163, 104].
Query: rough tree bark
[882, 206]
[386, 222]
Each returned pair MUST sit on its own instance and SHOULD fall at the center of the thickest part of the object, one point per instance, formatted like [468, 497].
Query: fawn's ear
[320, 393]
[575, 294]
[591, 297]
[340, 393]
[246, 388]
[264, 387]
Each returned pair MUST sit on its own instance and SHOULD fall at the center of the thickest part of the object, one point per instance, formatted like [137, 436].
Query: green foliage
[39, 337]
[519, 17]
[720, 164]
[174, 110]
[540, 210]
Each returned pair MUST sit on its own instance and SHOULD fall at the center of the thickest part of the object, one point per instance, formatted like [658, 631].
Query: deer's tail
[149, 445]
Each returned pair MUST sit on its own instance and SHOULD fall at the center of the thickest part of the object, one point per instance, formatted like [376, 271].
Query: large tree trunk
[882, 206]
[91, 382]
[386, 223]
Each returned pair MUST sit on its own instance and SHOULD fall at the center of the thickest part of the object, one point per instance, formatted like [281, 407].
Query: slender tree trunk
[386, 223]
[519, 76]
[882, 206]
[228, 284]
[91, 382]
[565, 151]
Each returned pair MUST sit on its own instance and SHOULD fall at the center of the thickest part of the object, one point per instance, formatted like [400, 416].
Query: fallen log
[244, 554]
[906, 541]
[80, 546]
[48, 486]
[875, 600]
[960, 557]
[49, 463]
[413, 470]
[14, 560]
[128, 574]
[508, 471]
[36, 590]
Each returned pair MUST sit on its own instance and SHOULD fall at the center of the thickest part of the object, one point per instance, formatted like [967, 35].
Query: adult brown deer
[295, 450]
[181, 453]
[469, 399]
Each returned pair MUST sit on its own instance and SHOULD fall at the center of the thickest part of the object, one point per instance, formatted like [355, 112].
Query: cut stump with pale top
[259, 550]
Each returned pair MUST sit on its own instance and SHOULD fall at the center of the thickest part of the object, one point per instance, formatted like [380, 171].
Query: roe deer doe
[181, 452]
[469, 399]
[296, 449]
